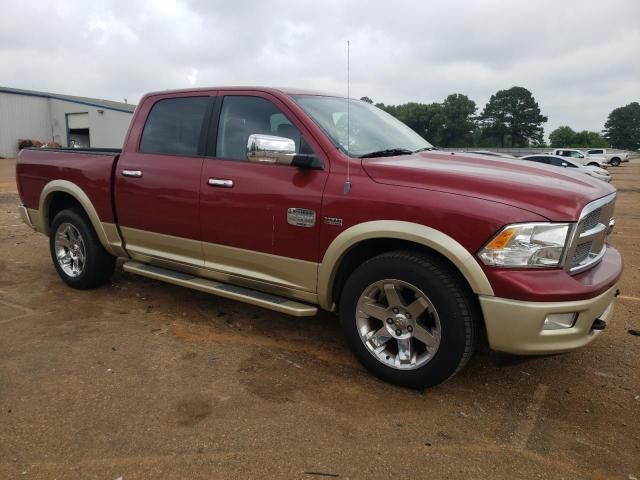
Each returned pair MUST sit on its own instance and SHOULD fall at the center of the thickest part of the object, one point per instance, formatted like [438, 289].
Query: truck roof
[285, 90]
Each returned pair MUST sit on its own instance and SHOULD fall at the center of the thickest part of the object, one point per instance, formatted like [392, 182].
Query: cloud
[578, 58]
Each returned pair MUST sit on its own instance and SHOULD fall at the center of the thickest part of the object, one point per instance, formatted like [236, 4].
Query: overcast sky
[580, 59]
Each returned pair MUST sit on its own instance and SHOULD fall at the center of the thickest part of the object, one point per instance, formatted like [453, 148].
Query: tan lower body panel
[283, 276]
[113, 237]
[176, 249]
[26, 215]
[517, 327]
[253, 297]
[264, 267]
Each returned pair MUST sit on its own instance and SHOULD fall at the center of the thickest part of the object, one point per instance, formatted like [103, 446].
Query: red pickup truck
[289, 200]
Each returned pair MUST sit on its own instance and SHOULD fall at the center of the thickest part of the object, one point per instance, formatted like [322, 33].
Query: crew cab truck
[611, 158]
[288, 200]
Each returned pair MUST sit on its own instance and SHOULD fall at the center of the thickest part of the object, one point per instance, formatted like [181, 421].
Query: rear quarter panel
[92, 173]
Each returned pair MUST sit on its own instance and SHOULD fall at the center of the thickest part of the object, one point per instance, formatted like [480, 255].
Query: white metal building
[64, 119]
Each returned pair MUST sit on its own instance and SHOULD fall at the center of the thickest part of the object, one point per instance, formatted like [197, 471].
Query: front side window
[174, 126]
[242, 116]
[369, 131]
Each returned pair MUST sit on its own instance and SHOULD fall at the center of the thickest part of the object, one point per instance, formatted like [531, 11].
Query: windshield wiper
[425, 149]
[389, 152]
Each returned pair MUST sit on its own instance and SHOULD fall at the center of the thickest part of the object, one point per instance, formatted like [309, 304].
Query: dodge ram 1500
[288, 200]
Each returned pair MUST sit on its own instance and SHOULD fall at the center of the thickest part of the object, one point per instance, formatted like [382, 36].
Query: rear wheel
[409, 318]
[592, 164]
[77, 254]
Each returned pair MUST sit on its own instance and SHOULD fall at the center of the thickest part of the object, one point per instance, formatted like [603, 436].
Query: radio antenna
[347, 183]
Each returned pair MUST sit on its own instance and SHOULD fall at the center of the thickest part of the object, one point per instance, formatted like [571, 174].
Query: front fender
[393, 229]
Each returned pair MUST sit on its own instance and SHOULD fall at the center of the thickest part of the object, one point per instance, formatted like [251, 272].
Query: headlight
[527, 245]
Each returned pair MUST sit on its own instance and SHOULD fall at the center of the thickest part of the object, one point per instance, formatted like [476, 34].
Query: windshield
[372, 132]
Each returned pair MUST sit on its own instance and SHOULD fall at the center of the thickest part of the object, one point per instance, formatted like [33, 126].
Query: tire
[615, 162]
[77, 254]
[450, 312]
[592, 164]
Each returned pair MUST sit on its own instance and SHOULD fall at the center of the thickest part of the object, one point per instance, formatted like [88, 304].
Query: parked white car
[614, 159]
[580, 157]
[570, 164]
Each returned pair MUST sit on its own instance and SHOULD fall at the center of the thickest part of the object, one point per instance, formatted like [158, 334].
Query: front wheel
[409, 318]
[77, 254]
[592, 164]
[615, 162]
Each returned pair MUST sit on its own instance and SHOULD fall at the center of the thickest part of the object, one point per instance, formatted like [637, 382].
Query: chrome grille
[588, 241]
[582, 252]
[591, 220]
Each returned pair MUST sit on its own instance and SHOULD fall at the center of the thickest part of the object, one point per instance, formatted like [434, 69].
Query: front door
[157, 186]
[249, 210]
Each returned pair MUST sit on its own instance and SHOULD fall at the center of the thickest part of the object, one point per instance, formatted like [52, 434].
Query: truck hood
[540, 189]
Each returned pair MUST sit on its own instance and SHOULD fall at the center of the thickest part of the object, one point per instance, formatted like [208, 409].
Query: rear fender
[107, 232]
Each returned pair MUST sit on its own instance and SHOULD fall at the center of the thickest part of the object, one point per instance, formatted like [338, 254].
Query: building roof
[92, 102]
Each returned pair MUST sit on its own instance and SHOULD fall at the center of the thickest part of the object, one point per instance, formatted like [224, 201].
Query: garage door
[78, 120]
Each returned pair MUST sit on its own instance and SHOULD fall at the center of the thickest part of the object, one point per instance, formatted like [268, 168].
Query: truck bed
[91, 168]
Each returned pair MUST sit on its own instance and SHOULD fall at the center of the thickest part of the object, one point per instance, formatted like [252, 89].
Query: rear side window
[174, 126]
[595, 151]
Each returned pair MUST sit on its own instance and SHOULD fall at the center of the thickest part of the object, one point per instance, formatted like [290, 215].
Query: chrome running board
[233, 292]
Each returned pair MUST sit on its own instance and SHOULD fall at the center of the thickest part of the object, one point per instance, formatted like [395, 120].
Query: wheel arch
[361, 241]
[65, 192]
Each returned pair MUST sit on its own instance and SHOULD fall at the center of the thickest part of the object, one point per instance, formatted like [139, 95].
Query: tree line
[511, 118]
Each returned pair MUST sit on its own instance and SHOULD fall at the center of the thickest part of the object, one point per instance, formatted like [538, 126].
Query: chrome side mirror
[270, 149]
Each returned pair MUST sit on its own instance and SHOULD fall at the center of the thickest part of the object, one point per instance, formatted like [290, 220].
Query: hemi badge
[301, 217]
[333, 221]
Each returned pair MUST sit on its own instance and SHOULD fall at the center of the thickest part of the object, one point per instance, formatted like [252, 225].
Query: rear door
[248, 209]
[157, 182]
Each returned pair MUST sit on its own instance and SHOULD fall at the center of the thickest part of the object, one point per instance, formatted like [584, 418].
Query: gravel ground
[142, 380]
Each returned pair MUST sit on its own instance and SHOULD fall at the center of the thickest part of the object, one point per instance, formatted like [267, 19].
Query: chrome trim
[132, 173]
[301, 217]
[592, 260]
[593, 232]
[597, 235]
[220, 182]
[270, 149]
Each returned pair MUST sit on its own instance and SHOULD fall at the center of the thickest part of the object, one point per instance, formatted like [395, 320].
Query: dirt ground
[141, 379]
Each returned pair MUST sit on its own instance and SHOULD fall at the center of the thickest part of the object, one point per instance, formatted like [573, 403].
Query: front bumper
[515, 326]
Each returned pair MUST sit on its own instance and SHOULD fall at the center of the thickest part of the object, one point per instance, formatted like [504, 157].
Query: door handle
[220, 182]
[132, 173]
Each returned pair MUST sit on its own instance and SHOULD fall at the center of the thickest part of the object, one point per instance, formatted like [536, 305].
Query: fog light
[556, 321]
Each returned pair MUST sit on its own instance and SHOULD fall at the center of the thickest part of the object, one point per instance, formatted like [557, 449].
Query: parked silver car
[569, 163]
